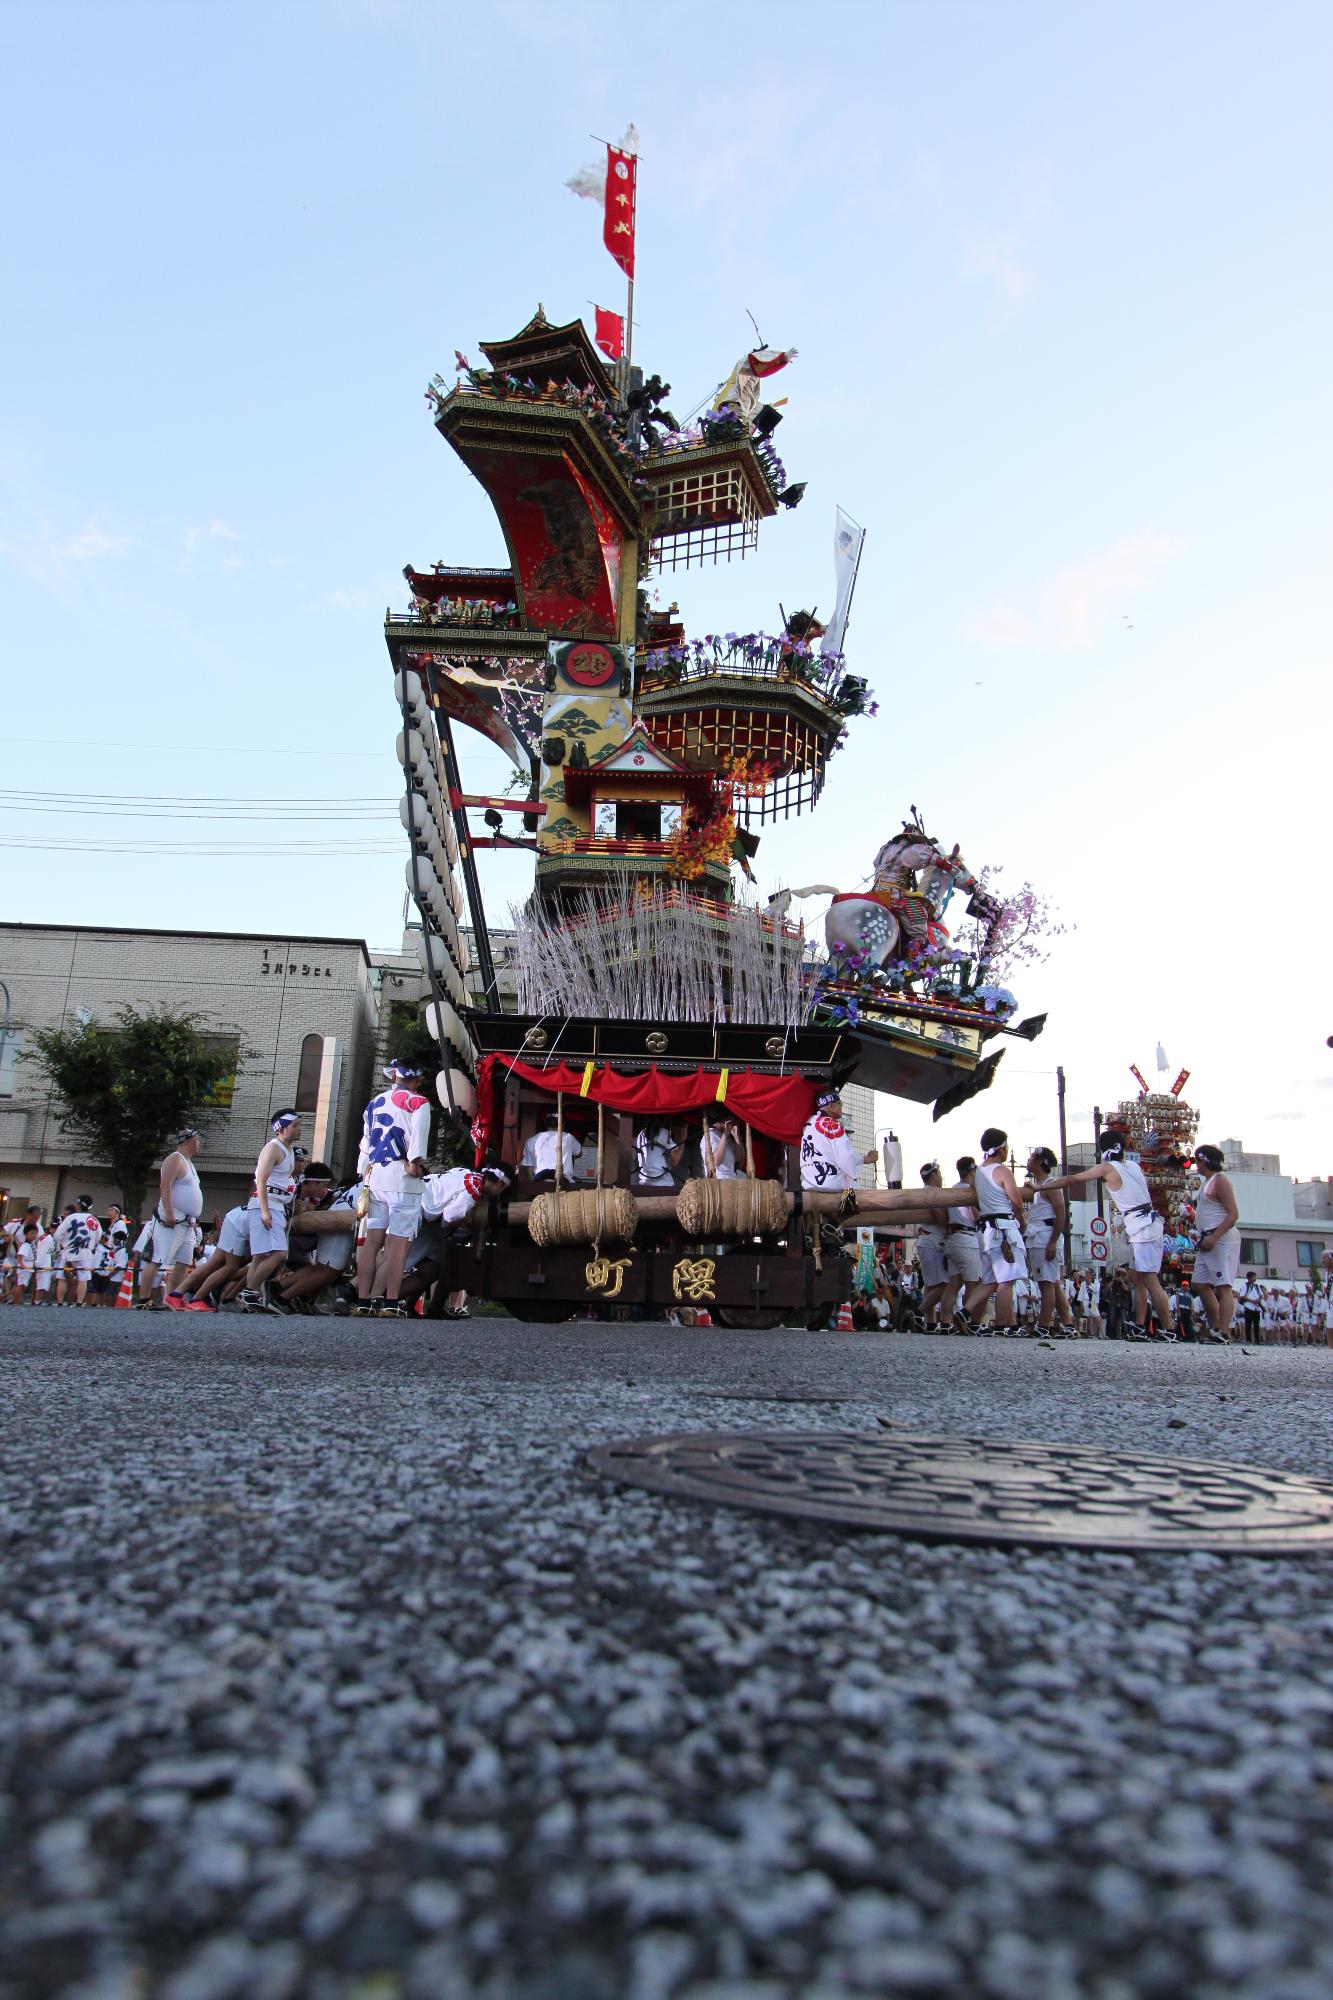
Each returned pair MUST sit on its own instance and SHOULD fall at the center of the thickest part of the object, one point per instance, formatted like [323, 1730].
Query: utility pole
[1064, 1164]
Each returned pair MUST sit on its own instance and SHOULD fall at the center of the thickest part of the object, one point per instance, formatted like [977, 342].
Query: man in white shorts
[110, 1264]
[320, 1251]
[1044, 1240]
[227, 1263]
[11, 1233]
[180, 1200]
[450, 1202]
[930, 1241]
[76, 1249]
[962, 1250]
[118, 1255]
[9, 1266]
[1217, 1254]
[24, 1254]
[395, 1135]
[1128, 1189]
[1003, 1255]
[269, 1207]
[44, 1271]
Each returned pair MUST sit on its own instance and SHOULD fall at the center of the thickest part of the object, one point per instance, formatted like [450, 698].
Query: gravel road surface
[327, 1668]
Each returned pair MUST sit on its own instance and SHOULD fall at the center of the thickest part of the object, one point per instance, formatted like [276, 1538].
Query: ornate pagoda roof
[496, 585]
[550, 353]
[637, 753]
[637, 758]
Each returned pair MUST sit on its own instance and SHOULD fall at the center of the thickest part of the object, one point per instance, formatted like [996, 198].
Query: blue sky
[1060, 283]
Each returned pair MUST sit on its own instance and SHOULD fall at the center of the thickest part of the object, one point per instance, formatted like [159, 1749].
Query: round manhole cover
[958, 1489]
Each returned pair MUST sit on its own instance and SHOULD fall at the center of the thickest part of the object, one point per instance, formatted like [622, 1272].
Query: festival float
[651, 983]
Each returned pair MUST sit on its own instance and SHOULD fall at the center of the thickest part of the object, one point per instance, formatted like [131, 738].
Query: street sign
[1099, 1253]
[1098, 1225]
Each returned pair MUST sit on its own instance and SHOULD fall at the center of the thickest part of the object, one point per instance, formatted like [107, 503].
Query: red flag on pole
[618, 222]
[610, 335]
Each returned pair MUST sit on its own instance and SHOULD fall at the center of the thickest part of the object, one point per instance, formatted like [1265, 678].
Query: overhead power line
[206, 806]
[198, 798]
[382, 812]
[301, 849]
[195, 749]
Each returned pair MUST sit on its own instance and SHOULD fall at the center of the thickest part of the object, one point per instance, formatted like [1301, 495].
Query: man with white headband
[1128, 1189]
[828, 1157]
[268, 1208]
[1003, 1253]
[930, 1239]
[450, 1202]
[1217, 1255]
[395, 1134]
[76, 1246]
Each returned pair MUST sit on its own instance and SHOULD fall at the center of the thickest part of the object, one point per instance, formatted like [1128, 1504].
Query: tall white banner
[847, 542]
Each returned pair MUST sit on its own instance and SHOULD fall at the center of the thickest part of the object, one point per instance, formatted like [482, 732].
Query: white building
[303, 1018]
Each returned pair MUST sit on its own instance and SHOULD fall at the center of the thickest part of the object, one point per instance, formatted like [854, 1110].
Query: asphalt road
[327, 1668]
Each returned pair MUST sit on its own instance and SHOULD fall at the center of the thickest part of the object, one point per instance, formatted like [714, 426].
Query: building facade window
[1309, 1255]
[307, 1076]
[9, 1057]
[221, 1096]
[1254, 1250]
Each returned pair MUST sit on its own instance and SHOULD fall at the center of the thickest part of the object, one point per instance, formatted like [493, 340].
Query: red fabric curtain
[777, 1106]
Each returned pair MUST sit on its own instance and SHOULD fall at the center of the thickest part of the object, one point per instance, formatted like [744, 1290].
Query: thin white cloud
[729, 145]
[212, 531]
[45, 554]
[88, 544]
[361, 598]
[996, 257]
[1068, 609]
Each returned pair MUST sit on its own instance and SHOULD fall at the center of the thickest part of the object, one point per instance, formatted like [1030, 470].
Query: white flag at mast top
[848, 541]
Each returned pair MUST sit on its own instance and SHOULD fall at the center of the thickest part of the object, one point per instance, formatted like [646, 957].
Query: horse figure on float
[899, 915]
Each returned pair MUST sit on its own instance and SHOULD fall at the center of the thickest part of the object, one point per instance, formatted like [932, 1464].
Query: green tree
[411, 1040]
[126, 1088]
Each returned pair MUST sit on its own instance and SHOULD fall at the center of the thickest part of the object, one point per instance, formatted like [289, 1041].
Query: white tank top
[1209, 1210]
[187, 1197]
[963, 1218]
[280, 1184]
[995, 1203]
[1133, 1189]
[1041, 1214]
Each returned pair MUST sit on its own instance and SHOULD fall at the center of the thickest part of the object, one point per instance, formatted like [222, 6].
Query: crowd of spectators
[78, 1258]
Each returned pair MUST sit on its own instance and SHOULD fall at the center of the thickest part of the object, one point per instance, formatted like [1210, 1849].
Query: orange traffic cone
[125, 1296]
[845, 1317]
